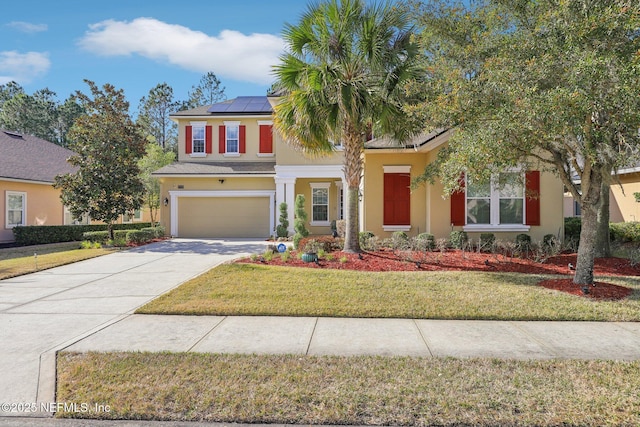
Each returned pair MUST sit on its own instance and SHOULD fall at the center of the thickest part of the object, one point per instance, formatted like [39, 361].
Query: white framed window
[70, 220]
[232, 137]
[320, 203]
[198, 139]
[16, 206]
[128, 218]
[496, 204]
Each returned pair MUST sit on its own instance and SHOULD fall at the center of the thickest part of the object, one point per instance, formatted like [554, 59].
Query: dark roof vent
[13, 134]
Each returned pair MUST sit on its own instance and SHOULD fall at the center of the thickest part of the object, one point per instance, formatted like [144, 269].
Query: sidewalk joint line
[313, 332]
[424, 339]
[207, 334]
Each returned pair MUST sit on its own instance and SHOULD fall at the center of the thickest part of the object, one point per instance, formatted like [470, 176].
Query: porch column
[285, 193]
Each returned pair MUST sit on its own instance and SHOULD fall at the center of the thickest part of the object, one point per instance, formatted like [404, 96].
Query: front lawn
[29, 259]
[350, 390]
[253, 289]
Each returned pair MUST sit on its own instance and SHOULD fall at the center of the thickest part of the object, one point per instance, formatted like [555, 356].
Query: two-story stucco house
[234, 170]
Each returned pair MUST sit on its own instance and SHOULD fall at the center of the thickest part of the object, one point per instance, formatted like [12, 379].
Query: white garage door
[226, 217]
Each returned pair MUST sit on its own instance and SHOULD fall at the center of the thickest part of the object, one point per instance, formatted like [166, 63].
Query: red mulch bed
[456, 260]
[599, 291]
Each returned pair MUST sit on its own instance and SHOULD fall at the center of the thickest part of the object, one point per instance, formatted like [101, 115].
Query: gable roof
[240, 106]
[416, 142]
[29, 158]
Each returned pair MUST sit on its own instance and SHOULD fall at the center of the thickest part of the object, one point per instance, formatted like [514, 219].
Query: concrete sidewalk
[382, 337]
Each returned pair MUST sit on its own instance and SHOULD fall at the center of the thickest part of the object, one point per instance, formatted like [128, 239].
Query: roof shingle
[29, 158]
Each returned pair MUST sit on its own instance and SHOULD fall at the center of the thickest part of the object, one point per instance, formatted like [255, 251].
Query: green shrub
[282, 229]
[458, 239]
[140, 236]
[43, 234]
[158, 231]
[425, 242]
[299, 223]
[523, 242]
[487, 241]
[364, 236]
[572, 227]
[399, 240]
[96, 236]
[625, 231]
[325, 243]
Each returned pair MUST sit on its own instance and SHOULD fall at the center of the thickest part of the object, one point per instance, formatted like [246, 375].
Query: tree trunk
[603, 247]
[352, 171]
[586, 250]
[110, 231]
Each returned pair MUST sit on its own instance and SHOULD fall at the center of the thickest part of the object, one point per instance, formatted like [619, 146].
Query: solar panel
[243, 105]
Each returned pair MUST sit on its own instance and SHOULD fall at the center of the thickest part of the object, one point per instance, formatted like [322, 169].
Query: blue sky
[136, 44]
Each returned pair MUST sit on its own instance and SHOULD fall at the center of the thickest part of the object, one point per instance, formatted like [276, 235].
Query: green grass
[21, 260]
[248, 289]
[351, 390]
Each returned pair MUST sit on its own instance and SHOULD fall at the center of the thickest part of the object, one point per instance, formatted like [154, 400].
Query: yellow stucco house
[624, 206]
[234, 170]
[28, 166]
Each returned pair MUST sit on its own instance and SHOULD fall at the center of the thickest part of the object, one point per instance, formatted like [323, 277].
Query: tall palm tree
[343, 73]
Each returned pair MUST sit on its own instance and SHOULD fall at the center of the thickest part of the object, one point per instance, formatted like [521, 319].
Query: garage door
[223, 217]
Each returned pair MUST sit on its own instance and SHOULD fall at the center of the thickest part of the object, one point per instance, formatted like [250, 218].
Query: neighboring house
[28, 166]
[623, 205]
[233, 171]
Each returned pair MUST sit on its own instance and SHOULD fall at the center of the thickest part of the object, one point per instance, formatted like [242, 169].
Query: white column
[285, 193]
[290, 198]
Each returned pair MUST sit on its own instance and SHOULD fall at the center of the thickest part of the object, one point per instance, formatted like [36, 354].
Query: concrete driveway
[43, 312]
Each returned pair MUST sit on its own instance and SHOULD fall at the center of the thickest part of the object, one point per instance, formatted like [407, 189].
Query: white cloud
[28, 27]
[22, 67]
[231, 54]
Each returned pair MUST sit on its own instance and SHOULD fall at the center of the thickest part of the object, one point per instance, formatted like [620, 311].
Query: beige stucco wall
[623, 205]
[374, 190]
[430, 207]
[43, 206]
[252, 140]
[289, 155]
[303, 186]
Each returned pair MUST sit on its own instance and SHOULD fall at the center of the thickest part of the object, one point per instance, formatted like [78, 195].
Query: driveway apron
[43, 312]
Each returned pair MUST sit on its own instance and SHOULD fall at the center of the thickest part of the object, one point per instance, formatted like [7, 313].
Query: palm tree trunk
[353, 172]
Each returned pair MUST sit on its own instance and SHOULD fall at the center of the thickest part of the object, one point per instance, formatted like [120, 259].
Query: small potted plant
[310, 251]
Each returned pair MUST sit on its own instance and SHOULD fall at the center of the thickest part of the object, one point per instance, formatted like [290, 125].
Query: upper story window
[197, 139]
[232, 138]
[16, 203]
[498, 202]
[233, 141]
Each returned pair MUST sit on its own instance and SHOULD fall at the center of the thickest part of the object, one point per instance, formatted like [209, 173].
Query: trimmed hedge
[572, 227]
[43, 234]
[625, 231]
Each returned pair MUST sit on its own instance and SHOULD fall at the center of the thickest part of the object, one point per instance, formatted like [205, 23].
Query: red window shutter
[532, 197]
[458, 205]
[208, 139]
[188, 139]
[243, 139]
[397, 199]
[222, 139]
[266, 139]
